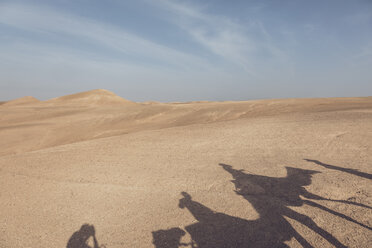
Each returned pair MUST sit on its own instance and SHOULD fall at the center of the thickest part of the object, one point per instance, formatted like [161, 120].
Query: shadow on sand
[82, 238]
[271, 197]
[347, 170]
[168, 238]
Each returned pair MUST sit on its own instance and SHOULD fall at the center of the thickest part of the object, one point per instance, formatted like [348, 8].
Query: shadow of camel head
[300, 176]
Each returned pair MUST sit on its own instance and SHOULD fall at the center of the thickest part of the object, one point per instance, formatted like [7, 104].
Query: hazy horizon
[186, 50]
[186, 101]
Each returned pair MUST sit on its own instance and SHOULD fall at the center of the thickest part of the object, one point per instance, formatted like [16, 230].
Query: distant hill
[21, 101]
[92, 97]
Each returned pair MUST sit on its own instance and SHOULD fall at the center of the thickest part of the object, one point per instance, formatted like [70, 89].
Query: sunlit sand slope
[27, 124]
[270, 173]
[21, 101]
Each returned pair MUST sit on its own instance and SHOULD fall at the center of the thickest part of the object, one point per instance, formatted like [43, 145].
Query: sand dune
[21, 101]
[93, 97]
[28, 124]
[263, 173]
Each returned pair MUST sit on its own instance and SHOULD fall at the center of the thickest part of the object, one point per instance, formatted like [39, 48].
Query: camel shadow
[272, 198]
[215, 229]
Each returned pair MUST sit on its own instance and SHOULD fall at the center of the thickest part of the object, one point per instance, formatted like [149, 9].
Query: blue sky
[186, 50]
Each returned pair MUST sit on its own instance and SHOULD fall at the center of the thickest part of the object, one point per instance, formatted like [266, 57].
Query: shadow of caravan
[272, 198]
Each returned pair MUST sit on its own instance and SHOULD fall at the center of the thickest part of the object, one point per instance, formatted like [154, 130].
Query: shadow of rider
[80, 238]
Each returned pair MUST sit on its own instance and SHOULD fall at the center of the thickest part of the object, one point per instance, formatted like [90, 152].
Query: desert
[258, 173]
[185, 124]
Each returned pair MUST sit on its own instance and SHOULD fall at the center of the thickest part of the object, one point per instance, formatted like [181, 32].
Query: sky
[174, 50]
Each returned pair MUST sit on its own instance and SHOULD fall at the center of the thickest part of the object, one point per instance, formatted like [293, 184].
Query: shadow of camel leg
[301, 239]
[307, 221]
[314, 204]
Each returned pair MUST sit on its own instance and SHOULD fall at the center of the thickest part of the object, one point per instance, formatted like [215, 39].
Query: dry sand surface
[265, 173]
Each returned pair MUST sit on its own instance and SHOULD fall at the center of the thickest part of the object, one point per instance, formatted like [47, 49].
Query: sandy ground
[269, 173]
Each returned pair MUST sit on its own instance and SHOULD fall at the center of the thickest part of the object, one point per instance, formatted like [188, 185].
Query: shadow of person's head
[79, 238]
[183, 201]
[86, 231]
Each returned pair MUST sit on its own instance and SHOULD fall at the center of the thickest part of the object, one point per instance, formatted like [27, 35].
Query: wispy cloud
[241, 45]
[237, 46]
[44, 68]
[45, 20]
[218, 34]
[180, 47]
[31, 60]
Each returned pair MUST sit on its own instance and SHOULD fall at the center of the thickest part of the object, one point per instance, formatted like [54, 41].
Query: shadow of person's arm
[95, 242]
[314, 204]
[93, 234]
